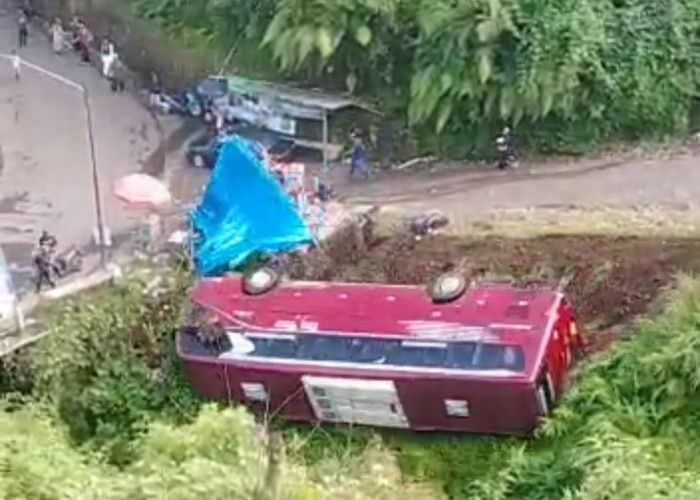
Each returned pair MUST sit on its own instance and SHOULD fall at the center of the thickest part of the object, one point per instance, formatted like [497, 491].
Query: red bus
[485, 358]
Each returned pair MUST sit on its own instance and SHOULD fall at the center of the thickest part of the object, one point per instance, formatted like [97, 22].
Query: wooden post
[325, 141]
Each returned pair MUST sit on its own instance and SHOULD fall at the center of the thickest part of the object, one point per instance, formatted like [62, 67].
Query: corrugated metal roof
[302, 97]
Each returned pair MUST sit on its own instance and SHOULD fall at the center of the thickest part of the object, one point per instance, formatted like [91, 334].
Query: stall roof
[307, 98]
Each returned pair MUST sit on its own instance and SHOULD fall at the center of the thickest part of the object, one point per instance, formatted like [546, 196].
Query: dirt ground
[612, 281]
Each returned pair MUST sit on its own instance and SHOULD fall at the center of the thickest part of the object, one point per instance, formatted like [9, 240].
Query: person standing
[42, 261]
[16, 64]
[22, 30]
[155, 90]
[57, 35]
[86, 39]
[359, 159]
[108, 56]
[117, 76]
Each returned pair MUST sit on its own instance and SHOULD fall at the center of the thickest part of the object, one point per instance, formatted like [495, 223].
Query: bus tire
[447, 287]
[260, 281]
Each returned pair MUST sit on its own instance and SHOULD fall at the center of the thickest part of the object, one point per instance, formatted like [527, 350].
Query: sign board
[261, 113]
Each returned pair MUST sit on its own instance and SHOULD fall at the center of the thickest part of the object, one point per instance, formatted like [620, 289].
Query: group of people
[80, 38]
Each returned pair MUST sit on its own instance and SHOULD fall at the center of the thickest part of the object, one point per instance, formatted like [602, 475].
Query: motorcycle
[68, 262]
[171, 103]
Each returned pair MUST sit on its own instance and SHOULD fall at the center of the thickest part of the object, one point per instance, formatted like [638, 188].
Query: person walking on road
[22, 30]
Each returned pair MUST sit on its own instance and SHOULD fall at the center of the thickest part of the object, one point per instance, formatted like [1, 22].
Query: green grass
[451, 460]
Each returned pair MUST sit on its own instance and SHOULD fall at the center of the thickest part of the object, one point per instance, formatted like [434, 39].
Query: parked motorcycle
[185, 104]
[68, 262]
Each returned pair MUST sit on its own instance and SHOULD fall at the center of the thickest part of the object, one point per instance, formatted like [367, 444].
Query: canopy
[141, 190]
[244, 210]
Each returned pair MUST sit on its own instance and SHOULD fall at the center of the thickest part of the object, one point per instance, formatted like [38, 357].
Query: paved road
[45, 173]
[673, 181]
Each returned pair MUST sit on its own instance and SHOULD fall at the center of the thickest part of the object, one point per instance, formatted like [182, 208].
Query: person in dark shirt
[22, 29]
[42, 261]
[359, 158]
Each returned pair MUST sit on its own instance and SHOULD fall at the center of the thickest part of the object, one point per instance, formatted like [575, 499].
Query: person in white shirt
[16, 64]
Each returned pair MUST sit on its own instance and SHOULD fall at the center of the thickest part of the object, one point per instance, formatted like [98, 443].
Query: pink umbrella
[142, 191]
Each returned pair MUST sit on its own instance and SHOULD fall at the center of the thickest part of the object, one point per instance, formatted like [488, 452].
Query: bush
[109, 366]
[218, 456]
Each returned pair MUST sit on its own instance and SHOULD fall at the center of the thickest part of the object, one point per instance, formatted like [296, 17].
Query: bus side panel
[506, 406]
[495, 407]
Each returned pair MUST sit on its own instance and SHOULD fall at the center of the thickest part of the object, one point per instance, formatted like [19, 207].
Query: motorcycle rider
[507, 149]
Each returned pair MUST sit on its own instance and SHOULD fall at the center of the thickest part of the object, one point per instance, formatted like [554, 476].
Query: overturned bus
[480, 358]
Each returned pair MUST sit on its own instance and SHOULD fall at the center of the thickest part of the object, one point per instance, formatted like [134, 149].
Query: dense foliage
[105, 414]
[569, 73]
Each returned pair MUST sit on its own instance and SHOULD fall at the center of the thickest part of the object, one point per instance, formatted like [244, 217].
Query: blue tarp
[244, 211]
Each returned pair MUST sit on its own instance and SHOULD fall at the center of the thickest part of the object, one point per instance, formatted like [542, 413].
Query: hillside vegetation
[100, 410]
[570, 73]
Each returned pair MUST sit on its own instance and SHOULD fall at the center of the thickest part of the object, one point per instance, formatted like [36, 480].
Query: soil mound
[611, 280]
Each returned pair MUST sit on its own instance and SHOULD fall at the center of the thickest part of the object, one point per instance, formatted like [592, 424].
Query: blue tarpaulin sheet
[244, 211]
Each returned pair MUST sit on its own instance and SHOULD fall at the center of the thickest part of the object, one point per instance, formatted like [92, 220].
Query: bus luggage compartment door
[355, 401]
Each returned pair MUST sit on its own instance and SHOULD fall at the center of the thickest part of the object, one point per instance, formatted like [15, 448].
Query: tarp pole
[325, 141]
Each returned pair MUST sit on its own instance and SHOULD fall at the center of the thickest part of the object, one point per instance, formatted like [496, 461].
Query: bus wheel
[261, 281]
[448, 287]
